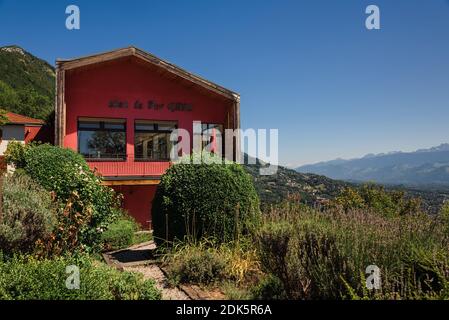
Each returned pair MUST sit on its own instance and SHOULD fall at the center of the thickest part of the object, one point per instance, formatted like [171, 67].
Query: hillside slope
[312, 188]
[315, 189]
[27, 83]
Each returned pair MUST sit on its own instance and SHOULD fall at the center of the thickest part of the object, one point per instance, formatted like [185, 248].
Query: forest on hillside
[27, 83]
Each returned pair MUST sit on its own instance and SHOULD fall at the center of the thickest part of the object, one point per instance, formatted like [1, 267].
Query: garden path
[139, 258]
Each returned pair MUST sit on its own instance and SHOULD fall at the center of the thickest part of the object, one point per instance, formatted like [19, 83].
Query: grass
[141, 237]
[323, 255]
[232, 267]
[302, 253]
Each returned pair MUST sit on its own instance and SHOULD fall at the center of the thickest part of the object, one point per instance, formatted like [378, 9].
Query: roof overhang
[70, 64]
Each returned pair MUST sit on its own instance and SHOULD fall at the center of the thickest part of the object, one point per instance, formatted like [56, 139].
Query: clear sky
[309, 68]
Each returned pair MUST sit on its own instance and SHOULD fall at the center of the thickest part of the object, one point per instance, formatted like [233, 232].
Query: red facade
[121, 88]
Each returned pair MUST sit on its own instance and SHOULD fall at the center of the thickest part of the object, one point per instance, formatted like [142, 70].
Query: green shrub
[204, 200]
[88, 205]
[15, 154]
[28, 214]
[376, 198]
[205, 262]
[269, 288]
[196, 264]
[119, 235]
[25, 278]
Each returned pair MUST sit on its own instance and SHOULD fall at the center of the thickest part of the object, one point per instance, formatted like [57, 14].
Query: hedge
[88, 207]
[26, 278]
[211, 200]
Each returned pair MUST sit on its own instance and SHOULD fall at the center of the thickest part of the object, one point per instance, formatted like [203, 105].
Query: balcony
[128, 167]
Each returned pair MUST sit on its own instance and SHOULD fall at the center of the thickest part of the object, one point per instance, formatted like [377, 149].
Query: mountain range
[423, 167]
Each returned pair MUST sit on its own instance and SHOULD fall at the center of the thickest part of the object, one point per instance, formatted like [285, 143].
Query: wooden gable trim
[132, 51]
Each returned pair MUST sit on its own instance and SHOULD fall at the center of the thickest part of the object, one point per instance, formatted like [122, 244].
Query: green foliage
[89, 207]
[26, 278]
[27, 84]
[15, 154]
[324, 255]
[204, 200]
[444, 215]
[273, 189]
[376, 198]
[269, 288]
[142, 236]
[196, 264]
[206, 262]
[3, 118]
[119, 234]
[28, 214]
[445, 211]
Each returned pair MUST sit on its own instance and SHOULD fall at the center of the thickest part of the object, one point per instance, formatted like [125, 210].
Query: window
[152, 140]
[211, 137]
[102, 139]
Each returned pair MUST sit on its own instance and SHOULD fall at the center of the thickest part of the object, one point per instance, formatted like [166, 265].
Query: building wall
[137, 201]
[11, 132]
[39, 133]
[89, 91]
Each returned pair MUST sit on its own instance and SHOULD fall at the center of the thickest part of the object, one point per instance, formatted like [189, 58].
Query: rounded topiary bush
[119, 234]
[211, 200]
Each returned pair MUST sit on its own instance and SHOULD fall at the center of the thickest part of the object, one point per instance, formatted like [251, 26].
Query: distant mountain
[27, 83]
[315, 189]
[424, 167]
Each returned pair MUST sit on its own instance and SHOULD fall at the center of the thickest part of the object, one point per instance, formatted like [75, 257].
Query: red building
[118, 109]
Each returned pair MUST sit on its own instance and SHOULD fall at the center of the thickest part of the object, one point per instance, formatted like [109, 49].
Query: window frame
[102, 122]
[155, 123]
[222, 135]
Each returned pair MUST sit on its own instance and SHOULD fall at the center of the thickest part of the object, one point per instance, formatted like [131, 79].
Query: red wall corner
[137, 201]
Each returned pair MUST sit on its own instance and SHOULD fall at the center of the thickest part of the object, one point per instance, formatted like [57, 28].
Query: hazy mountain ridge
[422, 167]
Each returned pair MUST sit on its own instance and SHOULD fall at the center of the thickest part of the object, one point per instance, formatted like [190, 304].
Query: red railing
[129, 167]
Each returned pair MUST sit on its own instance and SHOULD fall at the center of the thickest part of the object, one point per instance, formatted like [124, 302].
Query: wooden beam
[238, 150]
[130, 182]
[59, 107]
[98, 58]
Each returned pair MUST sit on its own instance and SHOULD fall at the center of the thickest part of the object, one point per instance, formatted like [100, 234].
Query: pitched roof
[68, 64]
[14, 118]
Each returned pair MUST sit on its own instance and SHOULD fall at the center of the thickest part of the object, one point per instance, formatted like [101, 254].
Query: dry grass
[323, 255]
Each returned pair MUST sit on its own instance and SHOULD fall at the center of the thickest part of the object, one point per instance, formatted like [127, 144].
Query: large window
[152, 140]
[102, 139]
[211, 136]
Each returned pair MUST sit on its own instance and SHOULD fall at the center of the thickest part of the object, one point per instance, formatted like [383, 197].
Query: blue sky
[309, 68]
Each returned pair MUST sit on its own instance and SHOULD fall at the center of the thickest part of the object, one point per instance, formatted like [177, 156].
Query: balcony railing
[128, 167]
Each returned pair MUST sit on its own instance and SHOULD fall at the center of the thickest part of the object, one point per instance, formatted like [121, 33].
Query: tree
[3, 119]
